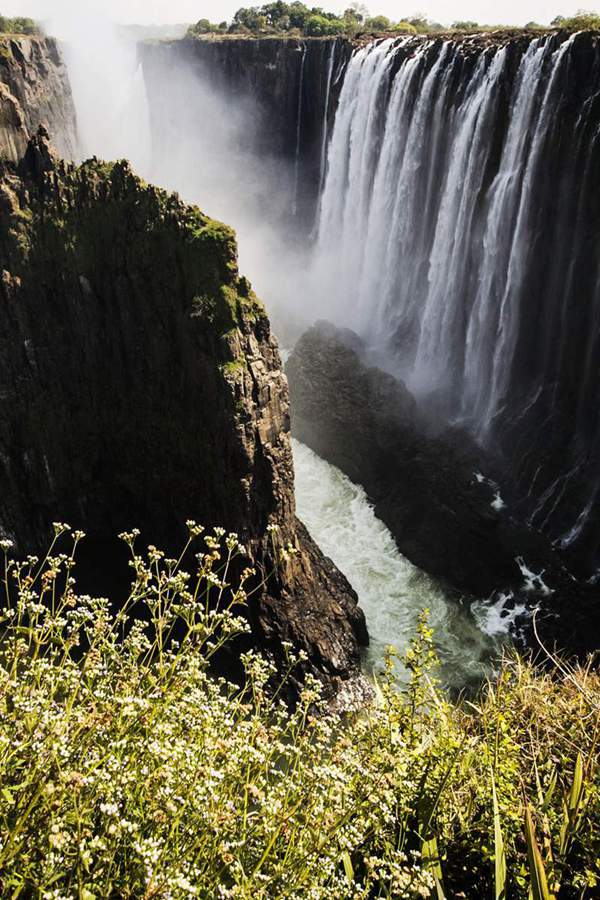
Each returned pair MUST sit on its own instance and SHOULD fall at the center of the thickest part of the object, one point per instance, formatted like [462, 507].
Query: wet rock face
[140, 385]
[34, 91]
[433, 492]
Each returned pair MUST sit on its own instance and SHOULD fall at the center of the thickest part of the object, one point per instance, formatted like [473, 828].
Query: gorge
[439, 197]
[324, 621]
[449, 216]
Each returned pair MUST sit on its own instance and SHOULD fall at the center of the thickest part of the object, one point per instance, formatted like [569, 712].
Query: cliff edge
[140, 385]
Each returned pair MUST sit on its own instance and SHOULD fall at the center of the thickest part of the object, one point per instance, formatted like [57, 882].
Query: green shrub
[321, 26]
[582, 21]
[465, 26]
[19, 25]
[404, 28]
[205, 26]
[127, 770]
[378, 23]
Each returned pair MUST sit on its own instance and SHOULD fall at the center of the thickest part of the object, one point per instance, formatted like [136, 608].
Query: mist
[194, 138]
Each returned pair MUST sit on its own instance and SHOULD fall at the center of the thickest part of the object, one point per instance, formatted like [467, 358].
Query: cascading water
[457, 234]
[323, 161]
[459, 213]
[299, 131]
[392, 592]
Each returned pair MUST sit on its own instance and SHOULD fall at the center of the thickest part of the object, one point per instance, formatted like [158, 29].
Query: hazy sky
[156, 11]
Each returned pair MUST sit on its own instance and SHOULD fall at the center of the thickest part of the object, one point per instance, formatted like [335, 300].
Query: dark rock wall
[34, 91]
[140, 385]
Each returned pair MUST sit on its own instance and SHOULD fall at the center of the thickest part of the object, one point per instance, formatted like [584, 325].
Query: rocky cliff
[140, 385]
[34, 90]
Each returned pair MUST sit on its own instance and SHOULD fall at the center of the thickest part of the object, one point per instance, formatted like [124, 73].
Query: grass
[128, 770]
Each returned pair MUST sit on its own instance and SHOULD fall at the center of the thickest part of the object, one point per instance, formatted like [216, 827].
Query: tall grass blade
[431, 858]
[499, 850]
[537, 872]
[572, 806]
[348, 867]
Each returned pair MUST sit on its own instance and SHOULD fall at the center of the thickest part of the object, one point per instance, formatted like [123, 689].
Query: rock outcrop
[34, 91]
[140, 385]
[434, 492]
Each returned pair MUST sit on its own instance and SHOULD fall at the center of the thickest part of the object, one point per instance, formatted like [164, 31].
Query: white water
[412, 244]
[392, 592]
[453, 236]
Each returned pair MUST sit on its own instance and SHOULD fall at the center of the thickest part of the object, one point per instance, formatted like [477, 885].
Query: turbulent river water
[391, 590]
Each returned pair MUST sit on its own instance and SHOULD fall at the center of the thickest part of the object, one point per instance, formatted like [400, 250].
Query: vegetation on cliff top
[299, 20]
[128, 770]
[19, 25]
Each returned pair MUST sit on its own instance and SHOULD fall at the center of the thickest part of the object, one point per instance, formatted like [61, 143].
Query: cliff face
[140, 384]
[34, 90]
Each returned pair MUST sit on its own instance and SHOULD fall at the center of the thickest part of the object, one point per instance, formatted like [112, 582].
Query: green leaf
[537, 873]
[348, 867]
[571, 807]
[431, 857]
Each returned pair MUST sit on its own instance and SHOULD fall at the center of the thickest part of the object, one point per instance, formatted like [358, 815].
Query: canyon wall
[34, 91]
[140, 386]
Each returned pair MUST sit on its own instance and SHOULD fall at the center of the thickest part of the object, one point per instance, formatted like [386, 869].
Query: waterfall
[456, 235]
[299, 130]
[330, 65]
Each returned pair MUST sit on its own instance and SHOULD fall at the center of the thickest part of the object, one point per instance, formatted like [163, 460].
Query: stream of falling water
[392, 592]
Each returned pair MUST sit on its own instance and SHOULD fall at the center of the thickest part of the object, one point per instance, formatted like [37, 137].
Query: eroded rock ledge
[140, 385]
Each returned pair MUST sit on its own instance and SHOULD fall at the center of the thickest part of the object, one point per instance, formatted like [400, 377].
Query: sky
[516, 12]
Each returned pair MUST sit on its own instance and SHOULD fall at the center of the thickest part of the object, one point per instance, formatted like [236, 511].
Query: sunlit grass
[128, 770]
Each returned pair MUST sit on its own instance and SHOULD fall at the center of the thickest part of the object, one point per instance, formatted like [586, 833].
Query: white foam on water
[533, 581]
[494, 618]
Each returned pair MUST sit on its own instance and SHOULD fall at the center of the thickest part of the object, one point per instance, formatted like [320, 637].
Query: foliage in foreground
[127, 770]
